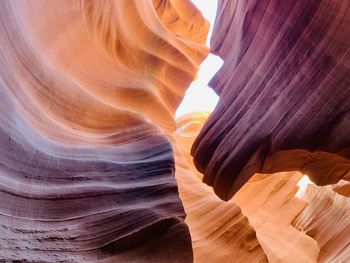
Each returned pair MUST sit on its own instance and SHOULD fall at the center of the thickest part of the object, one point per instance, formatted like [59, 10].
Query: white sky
[303, 183]
[199, 97]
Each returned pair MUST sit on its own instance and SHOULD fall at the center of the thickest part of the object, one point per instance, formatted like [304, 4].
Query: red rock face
[284, 93]
[94, 168]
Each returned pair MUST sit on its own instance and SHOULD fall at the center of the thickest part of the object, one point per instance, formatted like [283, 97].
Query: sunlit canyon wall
[94, 168]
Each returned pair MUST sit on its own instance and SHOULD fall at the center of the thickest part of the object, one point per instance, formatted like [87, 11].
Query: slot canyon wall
[284, 90]
[94, 168]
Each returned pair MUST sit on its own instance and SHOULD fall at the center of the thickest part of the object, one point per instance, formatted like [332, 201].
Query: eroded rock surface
[284, 88]
[94, 168]
[87, 95]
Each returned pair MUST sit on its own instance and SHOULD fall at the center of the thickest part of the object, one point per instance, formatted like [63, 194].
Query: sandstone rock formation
[327, 220]
[219, 231]
[94, 168]
[269, 201]
[88, 93]
[285, 95]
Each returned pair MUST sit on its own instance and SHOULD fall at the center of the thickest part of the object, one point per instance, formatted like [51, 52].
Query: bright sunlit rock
[208, 9]
[199, 97]
[303, 183]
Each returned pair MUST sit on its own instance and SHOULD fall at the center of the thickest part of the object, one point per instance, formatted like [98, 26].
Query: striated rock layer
[284, 93]
[88, 90]
[327, 220]
[94, 168]
[289, 224]
[219, 230]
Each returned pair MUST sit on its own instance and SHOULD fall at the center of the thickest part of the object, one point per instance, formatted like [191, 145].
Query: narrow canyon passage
[199, 97]
[115, 148]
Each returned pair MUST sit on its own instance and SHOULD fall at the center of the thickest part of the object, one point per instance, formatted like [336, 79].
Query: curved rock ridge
[284, 93]
[290, 225]
[93, 164]
[88, 91]
[219, 230]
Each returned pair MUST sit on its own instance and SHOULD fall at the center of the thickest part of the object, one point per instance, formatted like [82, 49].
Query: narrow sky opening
[199, 97]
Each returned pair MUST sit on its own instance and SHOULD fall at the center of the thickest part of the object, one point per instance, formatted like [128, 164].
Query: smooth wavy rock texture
[268, 220]
[284, 93]
[219, 230]
[88, 91]
[94, 168]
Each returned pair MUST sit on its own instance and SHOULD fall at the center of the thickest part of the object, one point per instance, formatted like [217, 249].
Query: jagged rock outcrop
[284, 90]
[269, 202]
[327, 220]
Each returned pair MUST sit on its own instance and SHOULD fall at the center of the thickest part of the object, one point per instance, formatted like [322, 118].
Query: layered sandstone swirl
[94, 167]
